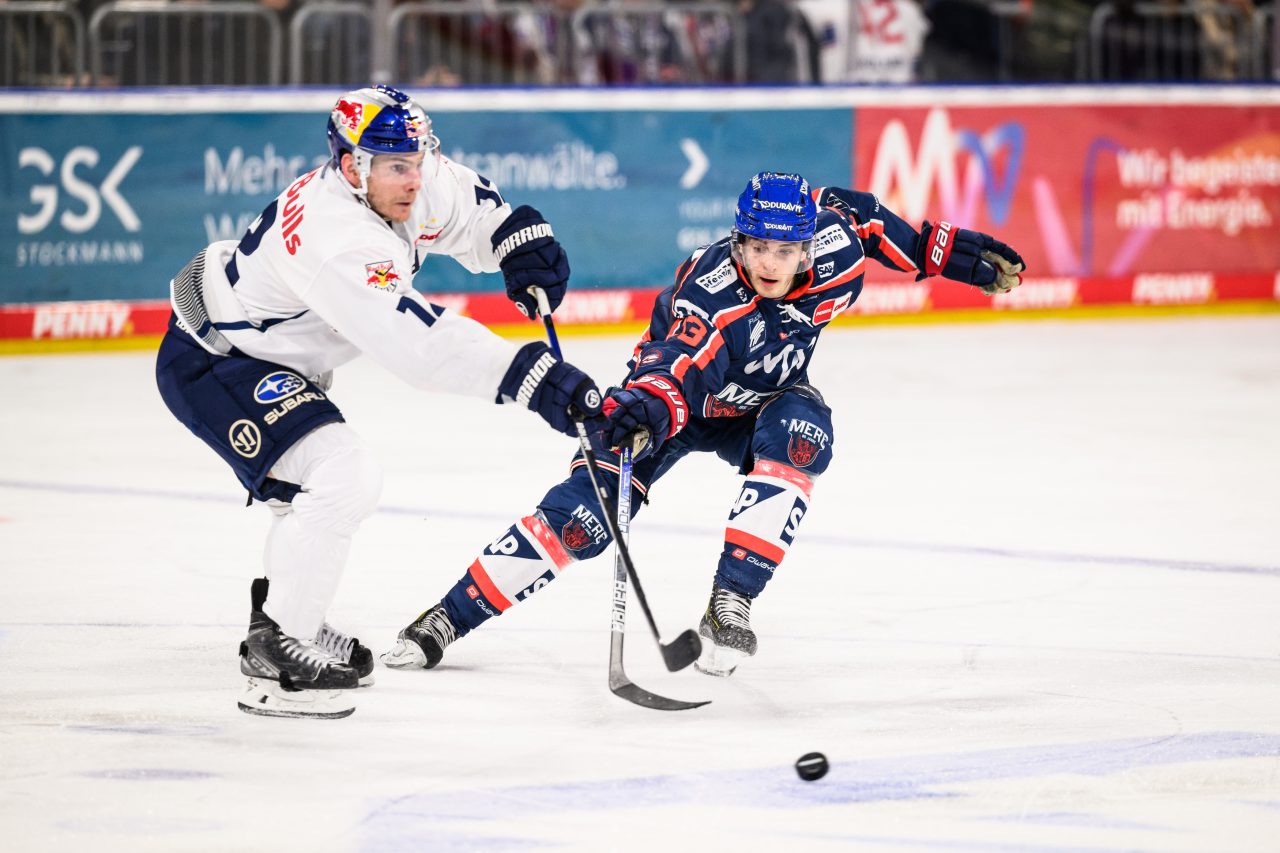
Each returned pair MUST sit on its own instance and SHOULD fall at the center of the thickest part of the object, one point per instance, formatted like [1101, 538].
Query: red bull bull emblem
[348, 114]
[801, 450]
[382, 275]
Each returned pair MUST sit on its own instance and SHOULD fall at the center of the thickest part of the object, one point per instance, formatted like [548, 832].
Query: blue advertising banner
[110, 204]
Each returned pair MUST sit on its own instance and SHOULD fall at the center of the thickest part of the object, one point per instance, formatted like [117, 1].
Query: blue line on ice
[399, 820]
[676, 530]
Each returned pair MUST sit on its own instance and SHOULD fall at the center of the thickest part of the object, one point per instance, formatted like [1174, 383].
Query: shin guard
[762, 525]
[521, 561]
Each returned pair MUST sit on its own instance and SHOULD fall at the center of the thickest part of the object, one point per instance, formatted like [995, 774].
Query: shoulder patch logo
[381, 275]
[718, 279]
[756, 338]
[829, 239]
[826, 268]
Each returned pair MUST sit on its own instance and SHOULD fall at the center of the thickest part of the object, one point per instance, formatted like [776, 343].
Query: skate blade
[405, 654]
[268, 699]
[719, 661]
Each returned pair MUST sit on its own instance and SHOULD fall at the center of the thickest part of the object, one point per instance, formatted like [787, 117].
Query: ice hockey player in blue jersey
[323, 276]
[723, 368]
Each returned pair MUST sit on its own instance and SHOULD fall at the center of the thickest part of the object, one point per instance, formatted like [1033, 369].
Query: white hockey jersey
[867, 41]
[320, 278]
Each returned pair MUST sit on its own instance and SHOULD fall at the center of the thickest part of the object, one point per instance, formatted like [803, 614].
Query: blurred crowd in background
[81, 43]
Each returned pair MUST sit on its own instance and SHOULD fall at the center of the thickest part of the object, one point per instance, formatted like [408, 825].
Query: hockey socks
[762, 526]
[521, 561]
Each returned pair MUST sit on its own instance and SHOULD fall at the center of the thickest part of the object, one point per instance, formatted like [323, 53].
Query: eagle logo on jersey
[382, 275]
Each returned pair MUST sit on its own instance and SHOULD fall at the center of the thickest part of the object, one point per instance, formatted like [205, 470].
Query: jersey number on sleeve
[487, 192]
[249, 242]
[691, 330]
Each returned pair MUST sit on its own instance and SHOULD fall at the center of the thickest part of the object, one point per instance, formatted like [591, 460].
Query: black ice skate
[422, 643]
[289, 677]
[349, 650]
[726, 632]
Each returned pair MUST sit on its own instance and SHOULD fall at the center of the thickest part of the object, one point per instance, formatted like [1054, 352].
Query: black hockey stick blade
[624, 688]
[682, 651]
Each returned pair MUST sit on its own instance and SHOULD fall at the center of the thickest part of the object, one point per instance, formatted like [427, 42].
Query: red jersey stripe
[743, 539]
[487, 586]
[778, 471]
[549, 540]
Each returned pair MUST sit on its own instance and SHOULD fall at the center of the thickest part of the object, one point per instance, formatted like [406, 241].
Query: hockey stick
[682, 651]
[618, 681]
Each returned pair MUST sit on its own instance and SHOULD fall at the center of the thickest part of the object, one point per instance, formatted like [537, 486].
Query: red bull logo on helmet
[348, 115]
[416, 127]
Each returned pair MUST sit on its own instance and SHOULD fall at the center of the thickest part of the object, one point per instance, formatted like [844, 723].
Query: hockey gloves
[651, 407]
[549, 386]
[968, 256]
[529, 256]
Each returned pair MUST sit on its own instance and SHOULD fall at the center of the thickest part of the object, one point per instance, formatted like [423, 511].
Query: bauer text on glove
[529, 256]
[968, 256]
[651, 404]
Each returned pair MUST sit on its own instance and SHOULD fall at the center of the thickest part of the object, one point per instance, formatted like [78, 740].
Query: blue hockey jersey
[730, 349]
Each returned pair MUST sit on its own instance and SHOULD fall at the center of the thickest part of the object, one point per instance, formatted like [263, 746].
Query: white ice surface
[1035, 606]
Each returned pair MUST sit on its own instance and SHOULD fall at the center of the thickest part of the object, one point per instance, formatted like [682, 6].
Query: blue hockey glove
[968, 256]
[549, 386]
[651, 407]
[530, 257]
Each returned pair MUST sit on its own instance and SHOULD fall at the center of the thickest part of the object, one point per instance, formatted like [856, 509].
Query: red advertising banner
[1102, 191]
[107, 321]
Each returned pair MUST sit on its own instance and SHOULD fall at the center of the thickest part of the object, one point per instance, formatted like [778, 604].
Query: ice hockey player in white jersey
[322, 276]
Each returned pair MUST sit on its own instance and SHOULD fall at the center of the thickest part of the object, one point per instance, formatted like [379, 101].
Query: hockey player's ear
[347, 166]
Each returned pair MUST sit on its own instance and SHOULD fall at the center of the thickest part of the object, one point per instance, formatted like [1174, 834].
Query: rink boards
[1119, 198]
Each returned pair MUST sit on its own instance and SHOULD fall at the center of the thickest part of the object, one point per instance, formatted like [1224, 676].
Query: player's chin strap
[677, 654]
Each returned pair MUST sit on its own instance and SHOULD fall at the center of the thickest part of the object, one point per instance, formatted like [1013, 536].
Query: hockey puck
[812, 766]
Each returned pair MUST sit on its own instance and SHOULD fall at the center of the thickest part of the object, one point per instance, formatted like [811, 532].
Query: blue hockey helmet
[777, 206]
[378, 120]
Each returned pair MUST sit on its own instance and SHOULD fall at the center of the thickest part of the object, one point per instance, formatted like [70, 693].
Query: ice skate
[726, 632]
[290, 677]
[422, 643]
[349, 650]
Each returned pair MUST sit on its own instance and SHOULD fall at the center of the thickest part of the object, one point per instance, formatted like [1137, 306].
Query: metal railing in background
[150, 43]
[329, 43]
[1268, 43]
[41, 44]
[1157, 42]
[640, 41]
[533, 44]
[447, 44]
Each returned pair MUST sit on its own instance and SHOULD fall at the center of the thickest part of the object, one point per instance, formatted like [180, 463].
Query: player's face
[394, 182]
[771, 265]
